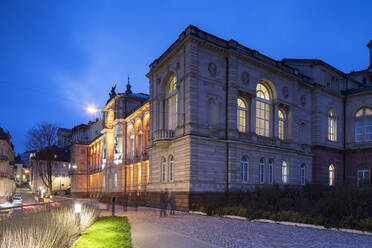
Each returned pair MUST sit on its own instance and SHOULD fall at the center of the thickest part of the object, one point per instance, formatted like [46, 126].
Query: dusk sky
[57, 57]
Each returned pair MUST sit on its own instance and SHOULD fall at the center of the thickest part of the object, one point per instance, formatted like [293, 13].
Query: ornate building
[227, 118]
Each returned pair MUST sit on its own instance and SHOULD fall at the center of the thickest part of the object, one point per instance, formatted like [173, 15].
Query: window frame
[171, 168]
[303, 174]
[242, 127]
[244, 169]
[171, 97]
[163, 175]
[281, 124]
[262, 171]
[363, 122]
[363, 170]
[332, 125]
[263, 110]
[270, 171]
[285, 172]
[331, 175]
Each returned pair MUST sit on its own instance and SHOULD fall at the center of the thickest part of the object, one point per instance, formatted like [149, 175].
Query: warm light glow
[77, 208]
[92, 109]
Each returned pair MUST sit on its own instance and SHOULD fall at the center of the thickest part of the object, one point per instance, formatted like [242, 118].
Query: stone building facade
[228, 118]
[7, 182]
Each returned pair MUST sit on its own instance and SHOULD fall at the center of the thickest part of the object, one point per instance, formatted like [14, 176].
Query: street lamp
[77, 208]
[92, 109]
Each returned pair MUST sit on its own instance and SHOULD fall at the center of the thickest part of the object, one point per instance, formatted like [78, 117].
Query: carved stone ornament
[303, 100]
[245, 77]
[212, 68]
[285, 92]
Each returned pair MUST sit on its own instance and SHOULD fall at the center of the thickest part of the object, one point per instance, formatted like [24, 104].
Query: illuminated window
[262, 171]
[139, 175]
[171, 169]
[302, 175]
[270, 171]
[262, 110]
[244, 164]
[281, 124]
[284, 172]
[172, 101]
[363, 125]
[163, 169]
[331, 175]
[363, 176]
[242, 115]
[332, 125]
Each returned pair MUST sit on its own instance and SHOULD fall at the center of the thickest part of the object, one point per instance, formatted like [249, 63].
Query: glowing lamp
[77, 208]
[92, 109]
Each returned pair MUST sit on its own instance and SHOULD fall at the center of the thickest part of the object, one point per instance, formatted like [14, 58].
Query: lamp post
[77, 208]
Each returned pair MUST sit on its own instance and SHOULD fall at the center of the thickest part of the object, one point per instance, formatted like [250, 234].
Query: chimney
[369, 45]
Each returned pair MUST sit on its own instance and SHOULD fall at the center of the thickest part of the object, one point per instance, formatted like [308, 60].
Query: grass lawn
[108, 232]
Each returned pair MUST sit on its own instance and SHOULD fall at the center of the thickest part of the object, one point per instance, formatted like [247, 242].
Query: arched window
[244, 163]
[172, 101]
[262, 170]
[242, 115]
[263, 102]
[284, 172]
[270, 171]
[332, 171]
[281, 124]
[332, 125]
[302, 175]
[171, 169]
[163, 169]
[363, 125]
[363, 176]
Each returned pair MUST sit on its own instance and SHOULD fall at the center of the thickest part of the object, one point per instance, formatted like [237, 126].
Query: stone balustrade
[163, 134]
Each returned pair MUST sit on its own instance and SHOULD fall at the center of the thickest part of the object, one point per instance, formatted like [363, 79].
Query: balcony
[163, 134]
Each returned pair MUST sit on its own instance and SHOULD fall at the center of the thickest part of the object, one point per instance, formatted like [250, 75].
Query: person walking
[172, 202]
[125, 203]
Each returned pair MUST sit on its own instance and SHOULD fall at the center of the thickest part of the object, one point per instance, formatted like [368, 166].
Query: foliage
[43, 139]
[53, 228]
[343, 206]
[107, 232]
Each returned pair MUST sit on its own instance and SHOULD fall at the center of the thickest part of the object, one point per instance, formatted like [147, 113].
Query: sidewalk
[147, 234]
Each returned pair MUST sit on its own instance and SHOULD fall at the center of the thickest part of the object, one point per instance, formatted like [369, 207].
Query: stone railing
[163, 134]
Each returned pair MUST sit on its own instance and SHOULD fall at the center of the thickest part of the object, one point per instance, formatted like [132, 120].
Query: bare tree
[43, 139]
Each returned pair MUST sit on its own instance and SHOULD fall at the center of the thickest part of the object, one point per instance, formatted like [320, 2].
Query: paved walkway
[185, 230]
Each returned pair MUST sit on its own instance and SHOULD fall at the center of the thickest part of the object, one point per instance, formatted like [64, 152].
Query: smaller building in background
[7, 184]
[60, 166]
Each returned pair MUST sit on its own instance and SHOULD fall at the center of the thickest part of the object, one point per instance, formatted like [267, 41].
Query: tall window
[363, 176]
[332, 125]
[270, 171]
[171, 169]
[244, 163]
[281, 124]
[363, 125]
[172, 101]
[302, 175]
[331, 175]
[284, 172]
[262, 170]
[242, 115]
[163, 169]
[262, 110]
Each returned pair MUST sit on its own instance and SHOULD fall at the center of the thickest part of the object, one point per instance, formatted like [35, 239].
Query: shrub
[55, 228]
[367, 224]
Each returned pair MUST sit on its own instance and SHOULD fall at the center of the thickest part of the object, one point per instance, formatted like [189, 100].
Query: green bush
[367, 224]
[341, 206]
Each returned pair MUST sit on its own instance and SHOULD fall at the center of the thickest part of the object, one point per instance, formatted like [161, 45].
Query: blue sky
[56, 57]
